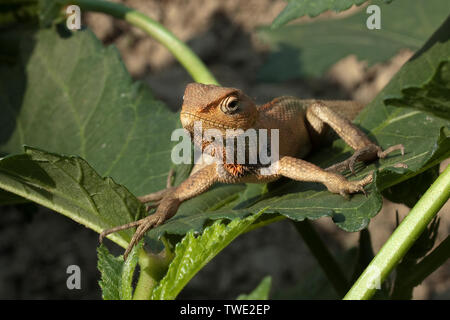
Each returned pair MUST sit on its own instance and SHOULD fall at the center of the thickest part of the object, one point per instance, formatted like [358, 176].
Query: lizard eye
[229, 105]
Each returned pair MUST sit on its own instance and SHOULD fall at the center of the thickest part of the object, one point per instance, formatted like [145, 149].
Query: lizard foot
[167, 206]
[364, 154]
[166, 209]
[338, 184]
[142, 226]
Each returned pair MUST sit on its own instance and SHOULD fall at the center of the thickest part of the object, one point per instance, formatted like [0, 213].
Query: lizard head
[217, 108]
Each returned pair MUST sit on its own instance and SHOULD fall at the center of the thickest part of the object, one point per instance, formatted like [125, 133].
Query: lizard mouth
[188, 118]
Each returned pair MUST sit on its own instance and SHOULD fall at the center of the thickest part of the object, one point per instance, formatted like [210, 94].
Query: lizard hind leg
[320, 113]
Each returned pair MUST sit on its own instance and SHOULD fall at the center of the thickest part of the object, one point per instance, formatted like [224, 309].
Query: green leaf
[110, 268]
[310, 49]
[49, 12]
[432, 97]
[299, 8]
[12, 11]
[44, 12]
[427, 84]
[116, 275]
[68, 94]
[261, 292]
[193, 253]
[126, 280]
[410, 191]
[299, 201]
[67, 184]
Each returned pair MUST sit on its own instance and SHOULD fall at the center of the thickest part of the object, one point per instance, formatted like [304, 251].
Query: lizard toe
[382, 154]
[145, 225]
[345, 194]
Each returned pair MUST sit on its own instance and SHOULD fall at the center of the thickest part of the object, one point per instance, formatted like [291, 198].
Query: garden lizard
[301, 124]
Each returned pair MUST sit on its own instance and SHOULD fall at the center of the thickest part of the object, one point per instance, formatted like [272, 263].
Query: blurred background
[37, 245]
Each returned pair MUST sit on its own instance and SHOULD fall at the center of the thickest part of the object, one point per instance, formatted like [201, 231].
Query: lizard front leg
[320, 113]
[156, 197]
[171, 199]
[301, 170]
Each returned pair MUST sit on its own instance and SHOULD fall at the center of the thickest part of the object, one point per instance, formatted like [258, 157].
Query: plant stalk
[402, 239]
[152, 270]
[190, 61]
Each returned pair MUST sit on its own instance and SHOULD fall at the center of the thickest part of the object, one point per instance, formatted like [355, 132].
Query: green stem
[152, 270]
[325, 259]
[402, 239]
[190, 61]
